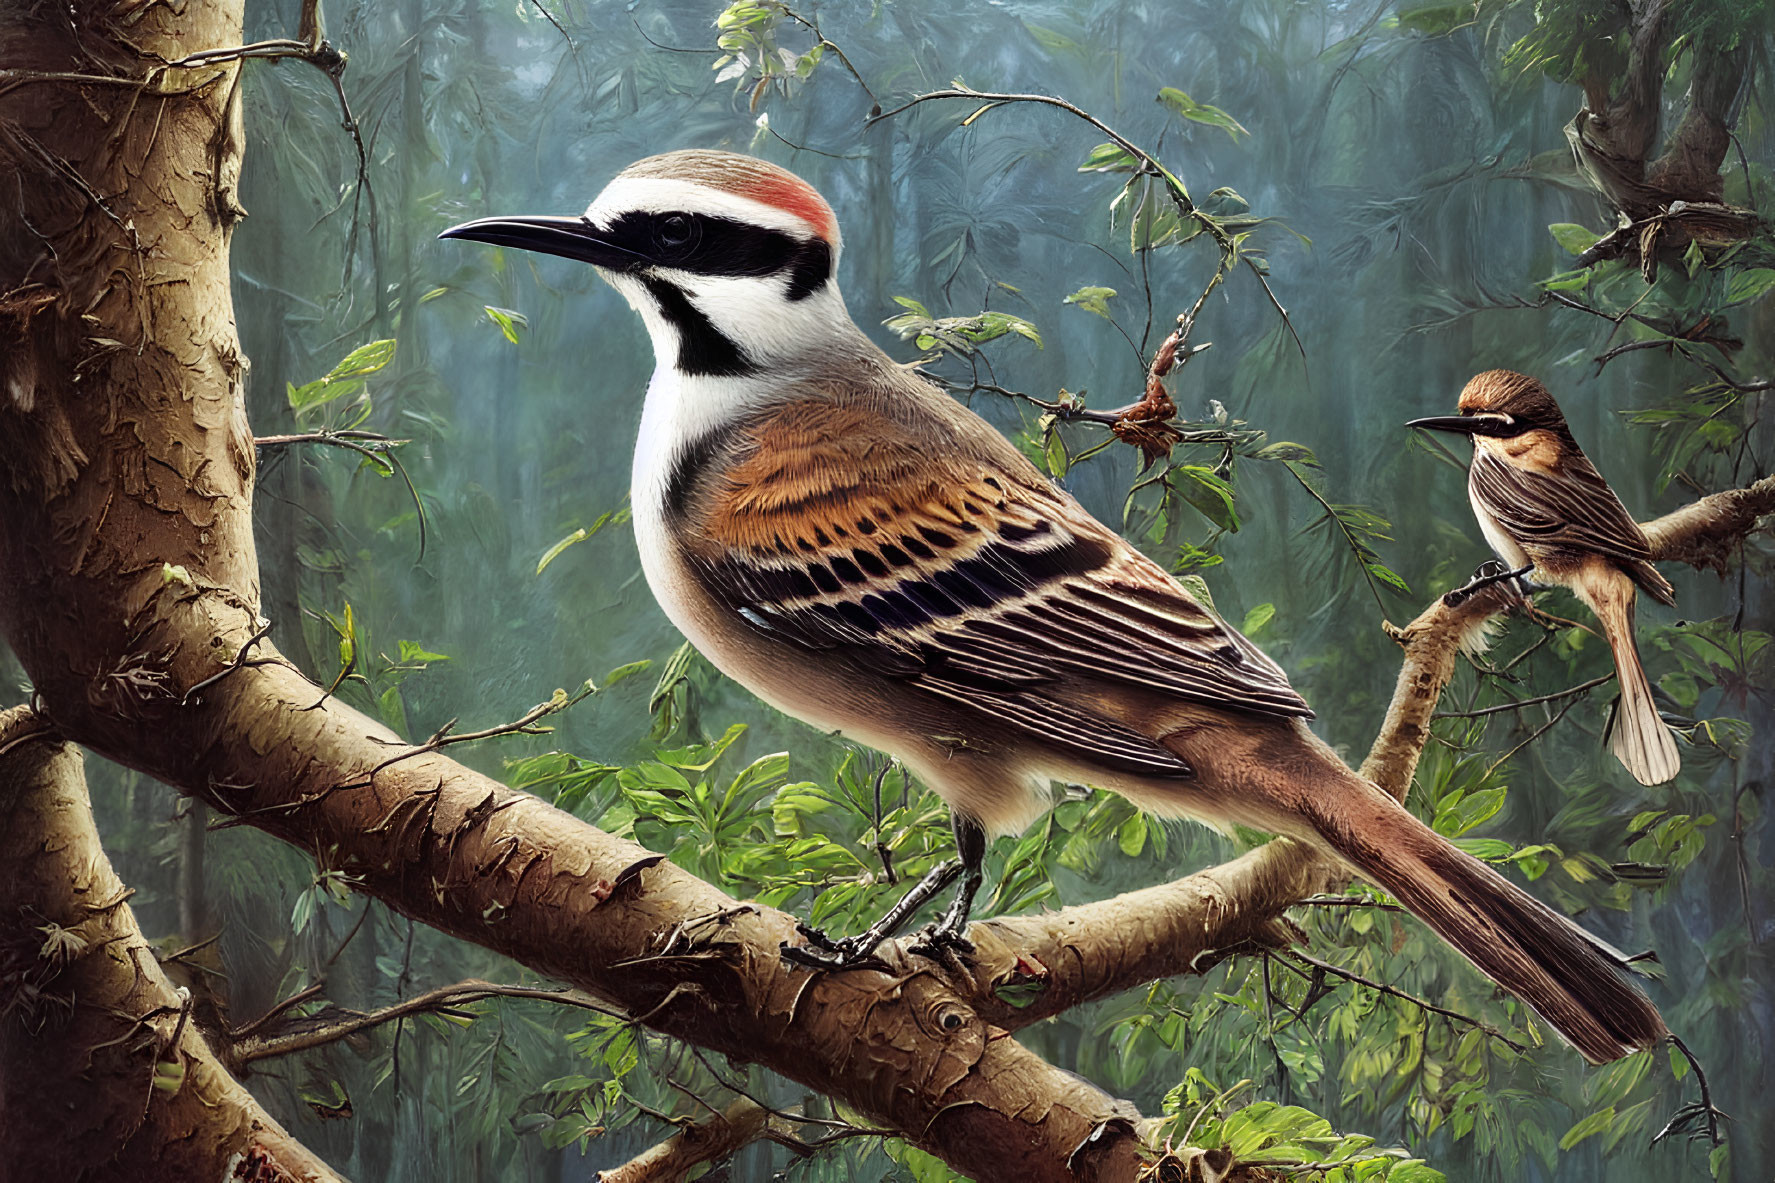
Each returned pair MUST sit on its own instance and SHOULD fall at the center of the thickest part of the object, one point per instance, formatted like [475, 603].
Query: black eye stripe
[708, 245]
[810, 269]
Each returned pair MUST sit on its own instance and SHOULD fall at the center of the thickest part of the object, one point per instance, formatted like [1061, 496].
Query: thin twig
[240, 659]
[525, 724]
[1149, 164]
[1403, 996]
[307, 992]
[1349, 901]
[1518, 704]
[1538, 732]
[442, 999]
[550, 18]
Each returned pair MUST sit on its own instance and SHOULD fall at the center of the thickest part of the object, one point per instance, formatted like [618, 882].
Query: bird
[1544, 508]
[846, 540]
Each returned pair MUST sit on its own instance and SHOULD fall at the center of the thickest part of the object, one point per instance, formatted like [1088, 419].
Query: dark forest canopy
[1357, 206]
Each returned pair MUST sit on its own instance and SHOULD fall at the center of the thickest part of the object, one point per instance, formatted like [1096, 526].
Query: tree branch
[1705, 533]
[717, 1137]
[102, 1075]
[331, 1027]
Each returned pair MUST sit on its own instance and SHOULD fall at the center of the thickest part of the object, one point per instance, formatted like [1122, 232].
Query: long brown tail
[1640, 740]
[1573, 980]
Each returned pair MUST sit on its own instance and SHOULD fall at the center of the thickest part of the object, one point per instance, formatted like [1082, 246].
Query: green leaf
[344, 379]
[921, 1167]
[1056, 455]
[1228, 203]
[1566, 281]
[1109, 158]
[1750, 285]
[303, 911]
[392, 710]
[1596, 1123]
[1256, 618]
[510, 323]
[1093, 299]
[1181, 104]
[1574, 238]
[1298, 453]
[554, 552]
[625, 671]
[1620, 1078]
[1460, 812]
[413, 651]
[1210, 494]
[1131, 835]
[1486, 849]
[580, 535]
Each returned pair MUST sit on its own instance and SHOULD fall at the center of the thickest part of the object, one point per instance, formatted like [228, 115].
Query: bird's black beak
[1498, 425]
[570, 238]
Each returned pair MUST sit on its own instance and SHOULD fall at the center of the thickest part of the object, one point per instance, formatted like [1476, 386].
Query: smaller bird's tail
[1575, 981]
[1640, 740]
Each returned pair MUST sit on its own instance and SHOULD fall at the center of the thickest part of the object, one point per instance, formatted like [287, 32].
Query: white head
[731, 261]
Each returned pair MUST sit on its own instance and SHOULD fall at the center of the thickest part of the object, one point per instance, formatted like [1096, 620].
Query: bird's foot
[1491, 571]
[829, 953]
[942, 942]
[946, 940]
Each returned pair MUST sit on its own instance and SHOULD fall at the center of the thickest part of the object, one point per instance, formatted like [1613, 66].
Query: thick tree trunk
[103, 1074]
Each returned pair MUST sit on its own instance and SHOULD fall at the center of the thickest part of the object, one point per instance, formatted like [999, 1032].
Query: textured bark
[712, 1139]
[1706, 533]
[102, 1074]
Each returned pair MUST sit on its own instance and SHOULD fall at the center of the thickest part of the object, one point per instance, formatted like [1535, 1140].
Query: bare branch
[249, 1046]
[1517, 704]
[1403, 996]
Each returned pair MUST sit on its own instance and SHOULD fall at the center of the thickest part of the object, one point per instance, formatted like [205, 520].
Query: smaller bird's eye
[674, 230]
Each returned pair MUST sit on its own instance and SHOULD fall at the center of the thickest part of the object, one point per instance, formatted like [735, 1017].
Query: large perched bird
[862, 552]
[1541, 503]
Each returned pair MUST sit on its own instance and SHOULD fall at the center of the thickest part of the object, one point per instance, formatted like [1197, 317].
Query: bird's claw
[822, 952]
[1489, 572]
[819, 940]
[942, 942]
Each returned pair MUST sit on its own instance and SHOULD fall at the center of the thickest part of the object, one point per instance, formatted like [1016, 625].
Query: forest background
[1397, 178]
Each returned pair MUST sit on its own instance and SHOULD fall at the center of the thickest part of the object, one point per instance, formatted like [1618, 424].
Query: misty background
[1412, 179]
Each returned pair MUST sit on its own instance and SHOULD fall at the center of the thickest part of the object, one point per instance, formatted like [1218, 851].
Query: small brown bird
[1542, 504]
[868, 555]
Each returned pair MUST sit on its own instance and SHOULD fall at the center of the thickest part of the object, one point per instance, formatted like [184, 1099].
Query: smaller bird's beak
[570, 238]
[1464, 424]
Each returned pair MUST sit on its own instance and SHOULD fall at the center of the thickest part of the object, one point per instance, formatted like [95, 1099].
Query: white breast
[664, 433]
[1504, 546]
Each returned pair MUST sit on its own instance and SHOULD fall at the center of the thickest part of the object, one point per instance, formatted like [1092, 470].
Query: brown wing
[1574, 509]
[969, 576]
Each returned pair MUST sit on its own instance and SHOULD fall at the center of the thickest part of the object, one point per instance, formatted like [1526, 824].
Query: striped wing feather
[1573, 509]
[964, 572]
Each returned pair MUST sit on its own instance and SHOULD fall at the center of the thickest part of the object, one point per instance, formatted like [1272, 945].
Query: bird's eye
[673, 231]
